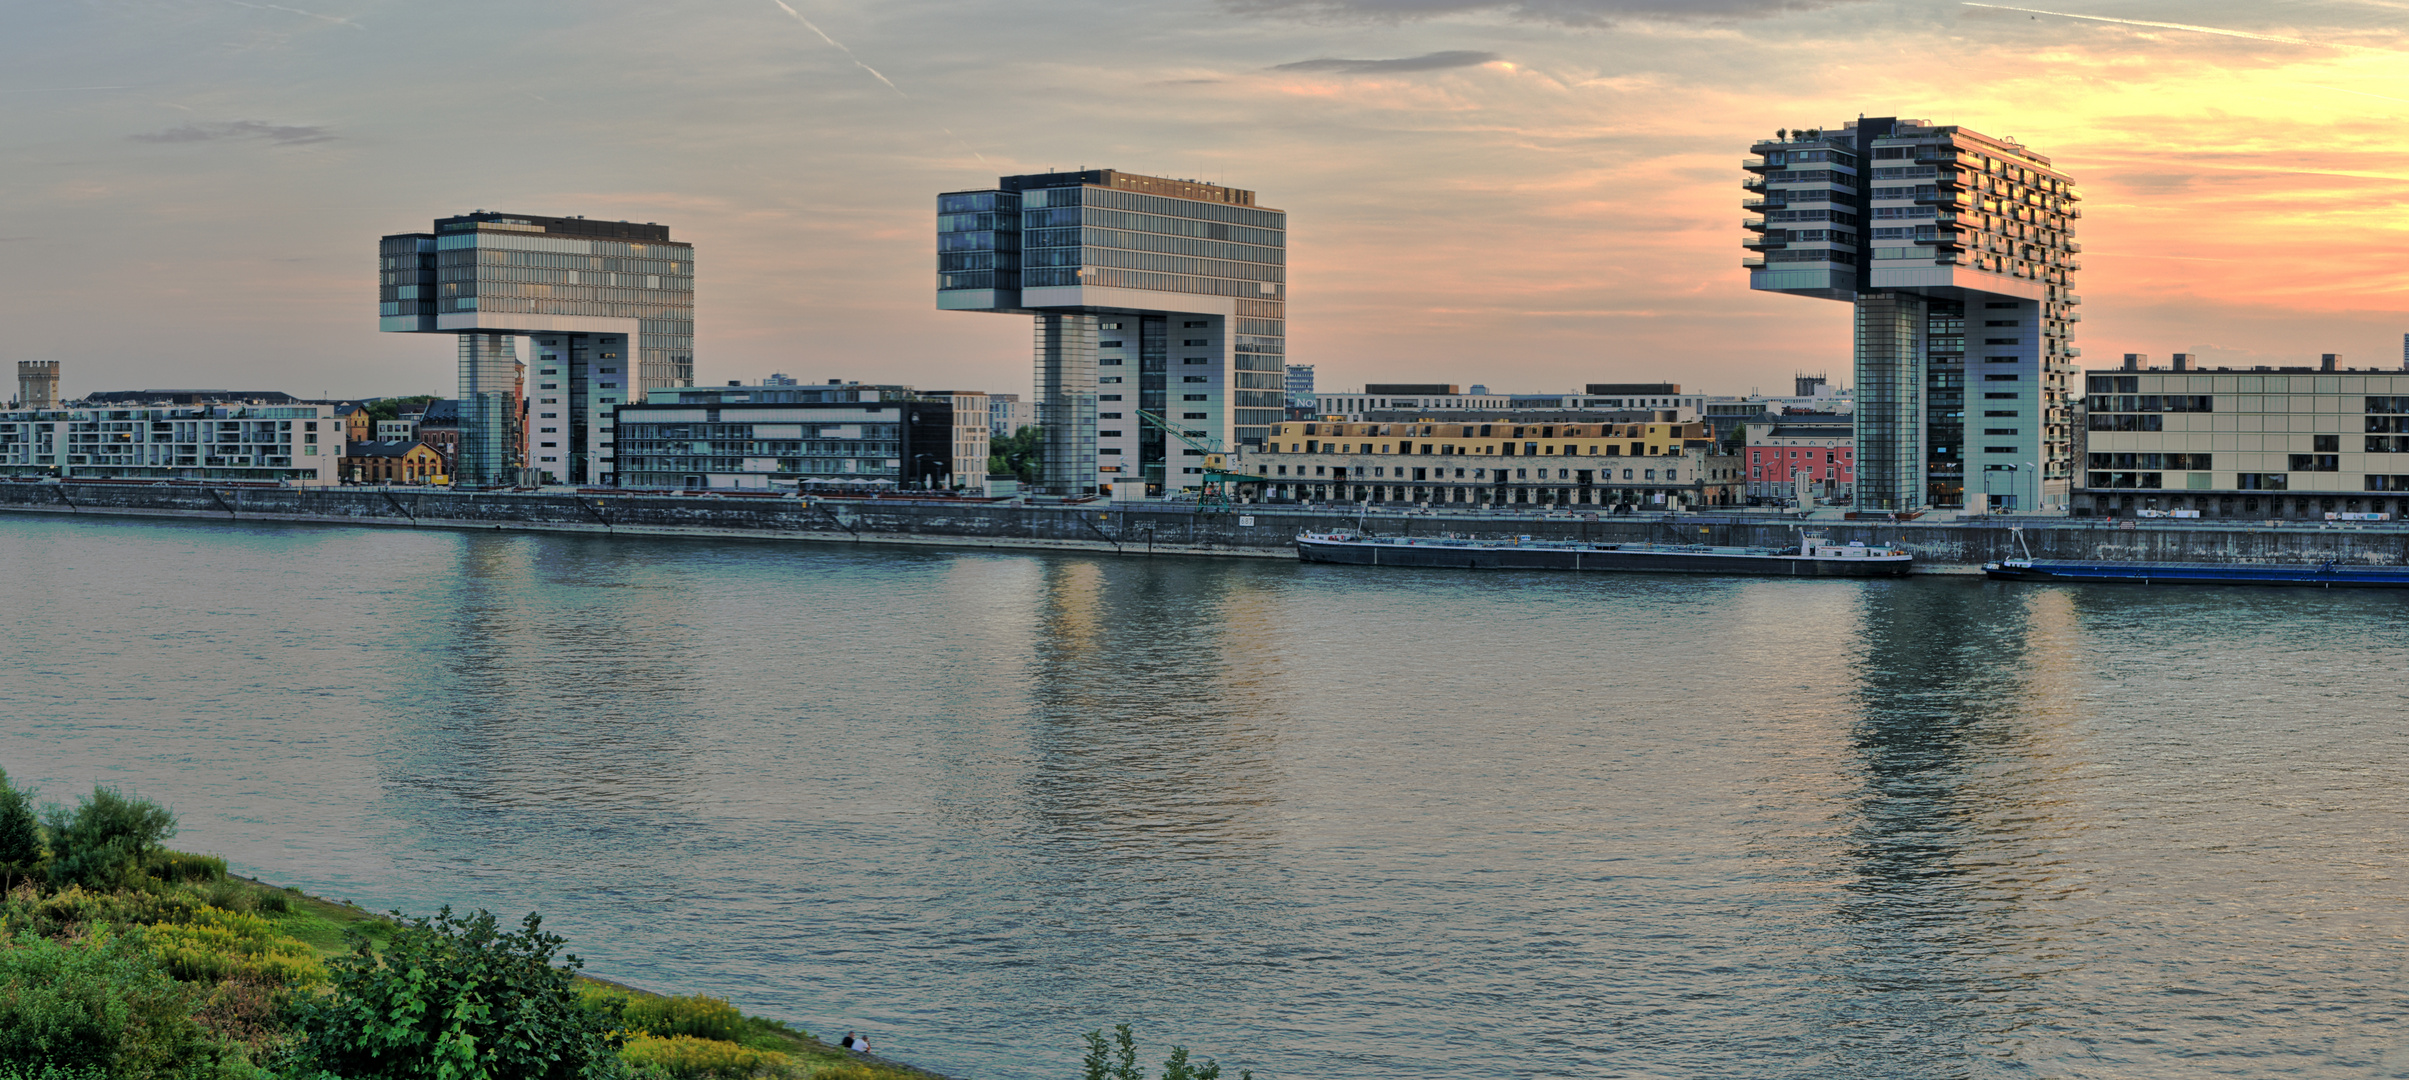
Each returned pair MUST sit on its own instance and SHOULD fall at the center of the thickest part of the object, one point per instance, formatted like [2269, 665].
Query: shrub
[106, 841]
[684, 1057]
[700, 1017]
[180, 866]
[20, 835]
[1122, 1062]
[216, 945]
[96, 1004]
[49, 1072]
[457, 997]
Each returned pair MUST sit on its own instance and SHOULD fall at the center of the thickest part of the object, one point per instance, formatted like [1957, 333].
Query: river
[1318, 822]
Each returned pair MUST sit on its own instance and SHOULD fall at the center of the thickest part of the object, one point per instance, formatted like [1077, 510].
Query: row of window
[1492, 475]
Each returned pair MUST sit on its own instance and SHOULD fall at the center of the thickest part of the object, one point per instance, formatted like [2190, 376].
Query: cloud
[279, 134]
[1573, 12]
[1438, 61]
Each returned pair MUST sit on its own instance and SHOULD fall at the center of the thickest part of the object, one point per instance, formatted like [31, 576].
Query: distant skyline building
[1956, 250]
[1300, 386]
[608, 304]
[1153, 294]
[37, 384]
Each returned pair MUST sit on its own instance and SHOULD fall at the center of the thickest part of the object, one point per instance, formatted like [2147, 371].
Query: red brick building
[1821, 445]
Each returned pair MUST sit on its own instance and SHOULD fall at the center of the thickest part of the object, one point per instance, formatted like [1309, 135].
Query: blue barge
[2315, 575]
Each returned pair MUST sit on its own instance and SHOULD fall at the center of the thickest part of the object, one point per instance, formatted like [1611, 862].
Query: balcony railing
[1753, 262]
[1753, 183]
[1765, 242]
[1762, 205]
[1756, 165]
[1753, 223]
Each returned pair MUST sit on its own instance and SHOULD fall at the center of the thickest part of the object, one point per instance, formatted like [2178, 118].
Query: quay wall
[1940, 545]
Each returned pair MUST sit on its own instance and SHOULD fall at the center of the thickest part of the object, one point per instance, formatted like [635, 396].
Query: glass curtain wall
[1889, 360]
[1066, 402]
[489, 413]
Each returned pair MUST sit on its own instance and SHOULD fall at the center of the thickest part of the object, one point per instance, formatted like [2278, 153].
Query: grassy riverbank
[124, 960]
[328, 928]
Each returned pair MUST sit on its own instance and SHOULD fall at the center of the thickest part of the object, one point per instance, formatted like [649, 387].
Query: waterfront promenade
[1942, 545]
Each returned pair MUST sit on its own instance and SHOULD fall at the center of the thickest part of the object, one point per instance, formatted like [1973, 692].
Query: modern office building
[1166, 296]
[1007, 414]
[2256, 443]
[1300, 386]
[37, 384]
[764, 438]
[1662, 464]
[609, 306]
[971, 439]
[1957, 251]
[292, 444]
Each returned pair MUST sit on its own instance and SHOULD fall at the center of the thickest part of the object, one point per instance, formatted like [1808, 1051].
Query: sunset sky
[1530, 195]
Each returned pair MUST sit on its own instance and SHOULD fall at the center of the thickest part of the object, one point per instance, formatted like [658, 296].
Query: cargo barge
[1813, 558]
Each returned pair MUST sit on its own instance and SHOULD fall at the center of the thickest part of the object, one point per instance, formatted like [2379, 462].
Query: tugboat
[1814, 558]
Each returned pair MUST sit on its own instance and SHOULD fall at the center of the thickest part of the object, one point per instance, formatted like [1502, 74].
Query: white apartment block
[288, 444]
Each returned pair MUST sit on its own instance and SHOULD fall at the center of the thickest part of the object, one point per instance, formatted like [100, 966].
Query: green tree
[20, 835]
[457, 998]
[1119, 1060]
[106, 840]
[1021, 455]
[391, 408]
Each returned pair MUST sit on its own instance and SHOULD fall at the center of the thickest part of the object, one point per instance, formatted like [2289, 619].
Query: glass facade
[610, 302]
[1156, 251]
[767, 438]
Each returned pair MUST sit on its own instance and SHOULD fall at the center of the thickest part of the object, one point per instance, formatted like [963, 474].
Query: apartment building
[290, 444]
[1664, 464]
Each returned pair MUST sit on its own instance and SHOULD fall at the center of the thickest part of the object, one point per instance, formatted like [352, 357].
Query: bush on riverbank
[128, 961]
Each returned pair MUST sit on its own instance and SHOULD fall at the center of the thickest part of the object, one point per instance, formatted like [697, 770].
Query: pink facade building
[1781, 447]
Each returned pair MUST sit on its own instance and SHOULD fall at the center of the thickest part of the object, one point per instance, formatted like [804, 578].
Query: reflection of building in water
[1153, 733]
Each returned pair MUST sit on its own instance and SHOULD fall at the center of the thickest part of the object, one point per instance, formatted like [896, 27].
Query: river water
[1320, 822]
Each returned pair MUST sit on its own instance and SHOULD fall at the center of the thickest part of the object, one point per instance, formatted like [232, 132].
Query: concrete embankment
[1940, 546]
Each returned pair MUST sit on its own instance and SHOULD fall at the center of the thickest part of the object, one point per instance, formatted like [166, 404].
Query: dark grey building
[766, 438]
[609, 304]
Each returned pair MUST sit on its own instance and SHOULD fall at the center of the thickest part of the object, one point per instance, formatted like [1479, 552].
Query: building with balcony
[1657, 465]
[1150, 295]
[2254, 443]
[290, 444]
[839, 436]
[609, 306]
[1957, 251]
[1449, 398]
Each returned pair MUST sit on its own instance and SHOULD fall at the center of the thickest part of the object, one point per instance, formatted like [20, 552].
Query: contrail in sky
[297, 11]
[857, 62]
[2144, 22]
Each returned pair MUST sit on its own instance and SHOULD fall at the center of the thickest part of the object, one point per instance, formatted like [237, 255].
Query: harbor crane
[1218, 475]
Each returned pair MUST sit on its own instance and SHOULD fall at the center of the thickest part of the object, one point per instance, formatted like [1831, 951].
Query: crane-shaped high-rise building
[1957, 251]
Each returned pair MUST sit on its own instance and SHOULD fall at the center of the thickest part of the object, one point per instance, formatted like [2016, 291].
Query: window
[1379, 471]
[2004, 322]
[1999, 431]
[1191, 378]
[1113, 434]
[1196, 342]
[1999, 412]
[2000, 397]
[1110, 361]
[1651, 474]
[1109, 379]
[2326, 444]
[2316, 463]
[1108, 397]
[1108, 344]
[2000, 376]
[2000, 450]
[2262, 481]
[1108, 326]
[1108, 416]
[1194, 324]
[1195, 360]
[1193, 397]
[1626, 474]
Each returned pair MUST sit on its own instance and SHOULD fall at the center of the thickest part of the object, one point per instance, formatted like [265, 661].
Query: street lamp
[2033, 469]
